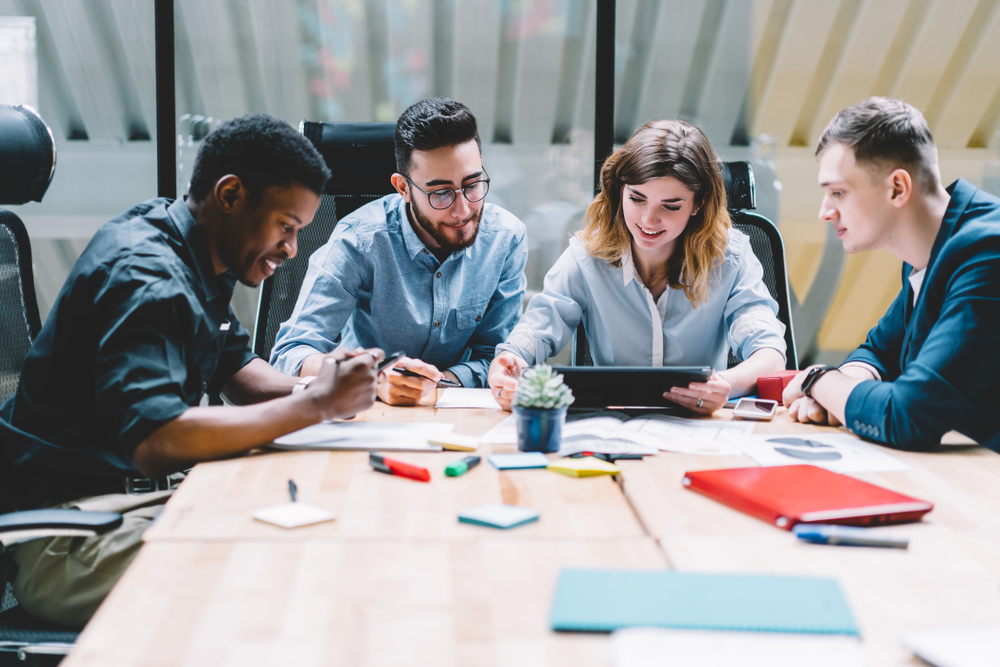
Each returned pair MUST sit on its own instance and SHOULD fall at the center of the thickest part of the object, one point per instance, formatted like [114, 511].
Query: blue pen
[847, 536]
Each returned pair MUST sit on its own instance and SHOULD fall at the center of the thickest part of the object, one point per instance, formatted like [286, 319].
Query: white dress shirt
[626, 327]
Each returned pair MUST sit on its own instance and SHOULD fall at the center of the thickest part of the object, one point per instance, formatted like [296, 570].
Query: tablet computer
[629, 386]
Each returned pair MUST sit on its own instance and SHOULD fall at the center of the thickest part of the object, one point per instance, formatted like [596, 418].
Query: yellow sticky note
[455, 442]
[588, 466]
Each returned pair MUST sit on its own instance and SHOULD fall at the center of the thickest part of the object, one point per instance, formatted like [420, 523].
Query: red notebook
[787, 495]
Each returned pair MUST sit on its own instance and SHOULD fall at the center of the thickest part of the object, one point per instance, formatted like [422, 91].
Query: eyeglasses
[442, 199]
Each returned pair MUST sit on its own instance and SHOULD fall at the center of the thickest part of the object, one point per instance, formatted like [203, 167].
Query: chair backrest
[27, 163]
[766, 242]
[767, 245]
[19, 321]
[362, 158]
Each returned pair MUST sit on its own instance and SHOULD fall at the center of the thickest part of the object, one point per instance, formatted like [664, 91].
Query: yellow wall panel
[803, 41]
[975, 92]
[929, 59]
[870, 283]
[865, 54]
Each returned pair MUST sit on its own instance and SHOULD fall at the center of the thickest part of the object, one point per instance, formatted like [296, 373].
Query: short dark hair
[263, 151]
[430, 124]
[886, 134]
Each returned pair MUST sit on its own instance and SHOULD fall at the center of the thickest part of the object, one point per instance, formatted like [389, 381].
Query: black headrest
[739, 186]
[27, 155]
[361, 156]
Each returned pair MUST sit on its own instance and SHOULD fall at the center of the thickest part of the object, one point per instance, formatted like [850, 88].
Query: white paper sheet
[690, 436]
[638, 435]
[657, 647]
[467, 398]
[366, 436]
[606, 435]
[504, 433]
[834, 451]
[956, 647]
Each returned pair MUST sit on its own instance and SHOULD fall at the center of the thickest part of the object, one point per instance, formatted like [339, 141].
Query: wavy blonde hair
[656, 150]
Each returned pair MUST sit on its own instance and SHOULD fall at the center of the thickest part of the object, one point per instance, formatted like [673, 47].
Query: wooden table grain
[218, 499]
[353, 604]
[949, 576]
[396, 580]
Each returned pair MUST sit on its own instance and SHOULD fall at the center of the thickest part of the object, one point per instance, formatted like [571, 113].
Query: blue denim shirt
[374, 284]
[626, 327]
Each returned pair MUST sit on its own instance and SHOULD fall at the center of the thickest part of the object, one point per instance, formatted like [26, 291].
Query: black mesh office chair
[27, 162]
[766, 243]
[362, 158]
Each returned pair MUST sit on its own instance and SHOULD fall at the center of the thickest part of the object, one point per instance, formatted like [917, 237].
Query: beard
[438, 231]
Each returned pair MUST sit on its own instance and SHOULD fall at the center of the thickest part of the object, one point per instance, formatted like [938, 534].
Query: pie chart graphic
[811, 450]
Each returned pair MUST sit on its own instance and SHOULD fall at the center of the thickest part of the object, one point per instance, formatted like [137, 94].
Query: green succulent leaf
[542, 388]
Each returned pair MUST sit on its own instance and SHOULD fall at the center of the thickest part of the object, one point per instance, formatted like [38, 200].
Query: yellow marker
[455, 442]
[585, 467]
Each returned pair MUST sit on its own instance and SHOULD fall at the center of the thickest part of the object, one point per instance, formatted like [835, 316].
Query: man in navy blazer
[932, 363]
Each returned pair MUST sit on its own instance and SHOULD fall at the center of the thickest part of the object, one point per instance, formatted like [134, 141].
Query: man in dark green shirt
[112, 388]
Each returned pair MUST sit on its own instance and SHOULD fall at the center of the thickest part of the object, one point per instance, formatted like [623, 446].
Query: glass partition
[525, 69]
[762, 78]
[87, 67]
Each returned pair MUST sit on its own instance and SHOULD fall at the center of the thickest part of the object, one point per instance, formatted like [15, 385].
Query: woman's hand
[703, 398]
[504, 376]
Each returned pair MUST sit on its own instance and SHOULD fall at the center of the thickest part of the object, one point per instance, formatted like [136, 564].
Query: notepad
[605, 600]
[466, 398]
[515, 461]
[455, 442]
[588, 466]
[496, 515]
[293, 515]
[787, 495]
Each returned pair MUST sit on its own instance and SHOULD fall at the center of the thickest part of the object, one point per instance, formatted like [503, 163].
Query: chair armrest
[32, 524]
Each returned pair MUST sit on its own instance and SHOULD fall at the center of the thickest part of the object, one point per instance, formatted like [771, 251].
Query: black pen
[443, 382]
[292, 489]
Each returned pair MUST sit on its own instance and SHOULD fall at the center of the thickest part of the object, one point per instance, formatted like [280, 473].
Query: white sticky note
[496, 515]
[293, 515]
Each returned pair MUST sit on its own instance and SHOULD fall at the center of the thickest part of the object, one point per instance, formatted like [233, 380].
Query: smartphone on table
[760, 409]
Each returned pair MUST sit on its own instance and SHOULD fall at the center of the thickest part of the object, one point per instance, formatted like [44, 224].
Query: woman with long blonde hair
[658, 277]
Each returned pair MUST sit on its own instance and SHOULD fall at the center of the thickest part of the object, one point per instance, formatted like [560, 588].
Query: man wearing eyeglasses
[433, 271]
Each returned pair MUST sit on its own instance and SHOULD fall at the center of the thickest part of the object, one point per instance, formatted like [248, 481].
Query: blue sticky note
[513, 461]
[605, 600]
[496, 515]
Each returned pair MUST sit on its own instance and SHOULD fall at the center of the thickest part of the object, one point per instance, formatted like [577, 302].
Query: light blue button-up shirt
[626, 327]
[374, 284]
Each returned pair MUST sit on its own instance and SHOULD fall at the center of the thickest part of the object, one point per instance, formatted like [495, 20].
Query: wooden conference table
[396, 580]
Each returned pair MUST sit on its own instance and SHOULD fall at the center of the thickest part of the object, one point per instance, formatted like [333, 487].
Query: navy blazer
[940, 358]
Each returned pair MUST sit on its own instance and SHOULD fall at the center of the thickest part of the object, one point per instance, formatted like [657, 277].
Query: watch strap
[303, 383]
[814, 375]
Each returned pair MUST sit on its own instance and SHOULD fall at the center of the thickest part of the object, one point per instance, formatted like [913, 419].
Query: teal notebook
[605, 600]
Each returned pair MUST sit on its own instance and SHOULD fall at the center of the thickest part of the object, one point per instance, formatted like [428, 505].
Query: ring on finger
[701, 402]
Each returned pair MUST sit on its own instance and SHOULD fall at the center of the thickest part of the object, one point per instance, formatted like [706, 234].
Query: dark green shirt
[141, 330]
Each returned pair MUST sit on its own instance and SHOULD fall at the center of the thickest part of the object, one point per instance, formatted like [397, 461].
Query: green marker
[457, 468]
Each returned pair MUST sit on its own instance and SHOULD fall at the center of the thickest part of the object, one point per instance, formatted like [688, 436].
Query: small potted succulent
[540, 405]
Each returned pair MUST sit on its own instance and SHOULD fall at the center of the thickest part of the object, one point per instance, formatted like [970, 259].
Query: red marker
[397, 467]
